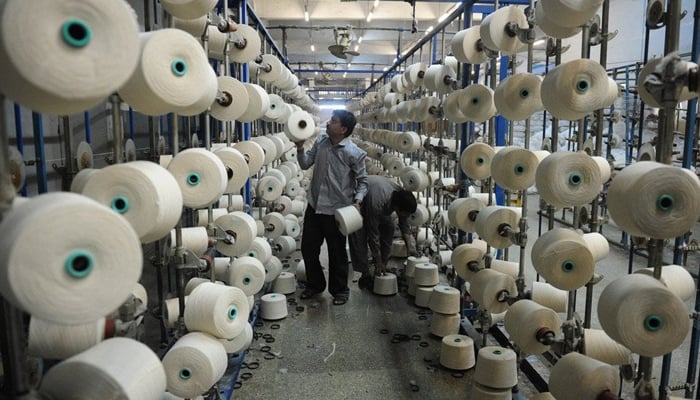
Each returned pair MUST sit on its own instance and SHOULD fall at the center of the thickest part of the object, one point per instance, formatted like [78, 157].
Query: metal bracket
[670, 77]
[551, 49]
[596, 35]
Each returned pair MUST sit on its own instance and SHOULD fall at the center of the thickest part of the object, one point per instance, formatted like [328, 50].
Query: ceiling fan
[343, 41]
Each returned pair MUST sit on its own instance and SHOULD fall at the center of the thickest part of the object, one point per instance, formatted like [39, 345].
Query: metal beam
[261, 27]
[425, 39]
[332, 27]
[341, 71]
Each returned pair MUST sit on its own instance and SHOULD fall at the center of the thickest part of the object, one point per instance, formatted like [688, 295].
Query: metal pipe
[520, 282]
[250, 13]
[19, 133]
[664, 145]
[688, 160]
[466, 129]
[16, 382]
[7, 189]
[118, 145]
[585, 53]
[11, 321]
[243, 16]
[597, 151]
[455, 14]
[132, 128]
[40, 153]
[153, 135]
[70, 167]
[664, 154]
[88, 127]
[555, 134]
[175, 133]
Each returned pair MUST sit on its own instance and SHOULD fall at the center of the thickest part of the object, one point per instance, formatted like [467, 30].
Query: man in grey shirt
[384, 197]
[339, 180]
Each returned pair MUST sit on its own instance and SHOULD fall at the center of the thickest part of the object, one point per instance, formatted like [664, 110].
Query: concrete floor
[341, 352]
[338, 352]
[366, 364]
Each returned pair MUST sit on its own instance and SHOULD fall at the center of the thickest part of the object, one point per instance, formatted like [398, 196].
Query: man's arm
[407, 236]
[360, 171]
[306, 158]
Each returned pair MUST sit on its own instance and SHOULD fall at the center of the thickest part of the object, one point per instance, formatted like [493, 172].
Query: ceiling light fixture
[376, 3]
[306, 15]
[357, 47]
[313, 48]
[359, 40]
[369, 16]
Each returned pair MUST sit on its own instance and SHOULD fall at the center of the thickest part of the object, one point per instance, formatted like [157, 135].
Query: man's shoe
[366, 282]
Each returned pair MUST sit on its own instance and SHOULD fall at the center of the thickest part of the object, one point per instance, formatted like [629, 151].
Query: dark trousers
[359, 254]
[317, 228]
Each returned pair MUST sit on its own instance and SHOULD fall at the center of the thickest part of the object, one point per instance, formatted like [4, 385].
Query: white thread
[74, 269]
[218, 310]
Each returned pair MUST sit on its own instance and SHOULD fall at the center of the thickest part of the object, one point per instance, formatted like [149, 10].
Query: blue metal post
[19, 132]
[500, 131]
[687, 162]
[88, 127]
[131, 123]
[242, 12]
[169, 121]
[40, 153]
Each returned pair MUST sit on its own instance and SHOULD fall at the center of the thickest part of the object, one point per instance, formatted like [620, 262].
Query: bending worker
[384, 197]
[339, 180]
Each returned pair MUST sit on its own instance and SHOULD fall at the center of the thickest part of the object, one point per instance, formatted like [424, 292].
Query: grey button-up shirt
[339, 176]
[376, 208]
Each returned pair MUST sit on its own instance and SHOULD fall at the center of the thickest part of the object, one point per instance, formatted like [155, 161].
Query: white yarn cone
[518, 96]
[527, 322]
[567, 179]
[476, 160]
[493, 29]
[466, 47]
[640, 313]
[571, 13]
[650, 199]
[116, 368]
[88, 49]
[188, 9]
[173, 75]
[550, 26]
[576, 88]
[576, 377]
[235, 101]
[253, 153]
[74, 269]
[476, 103]
[514, 168]
[201, 176]
[218, 310]
[563, 258]
[194, 364]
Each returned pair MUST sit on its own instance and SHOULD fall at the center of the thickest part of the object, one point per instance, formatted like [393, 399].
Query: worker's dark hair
[403, 200]
[347, 120]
